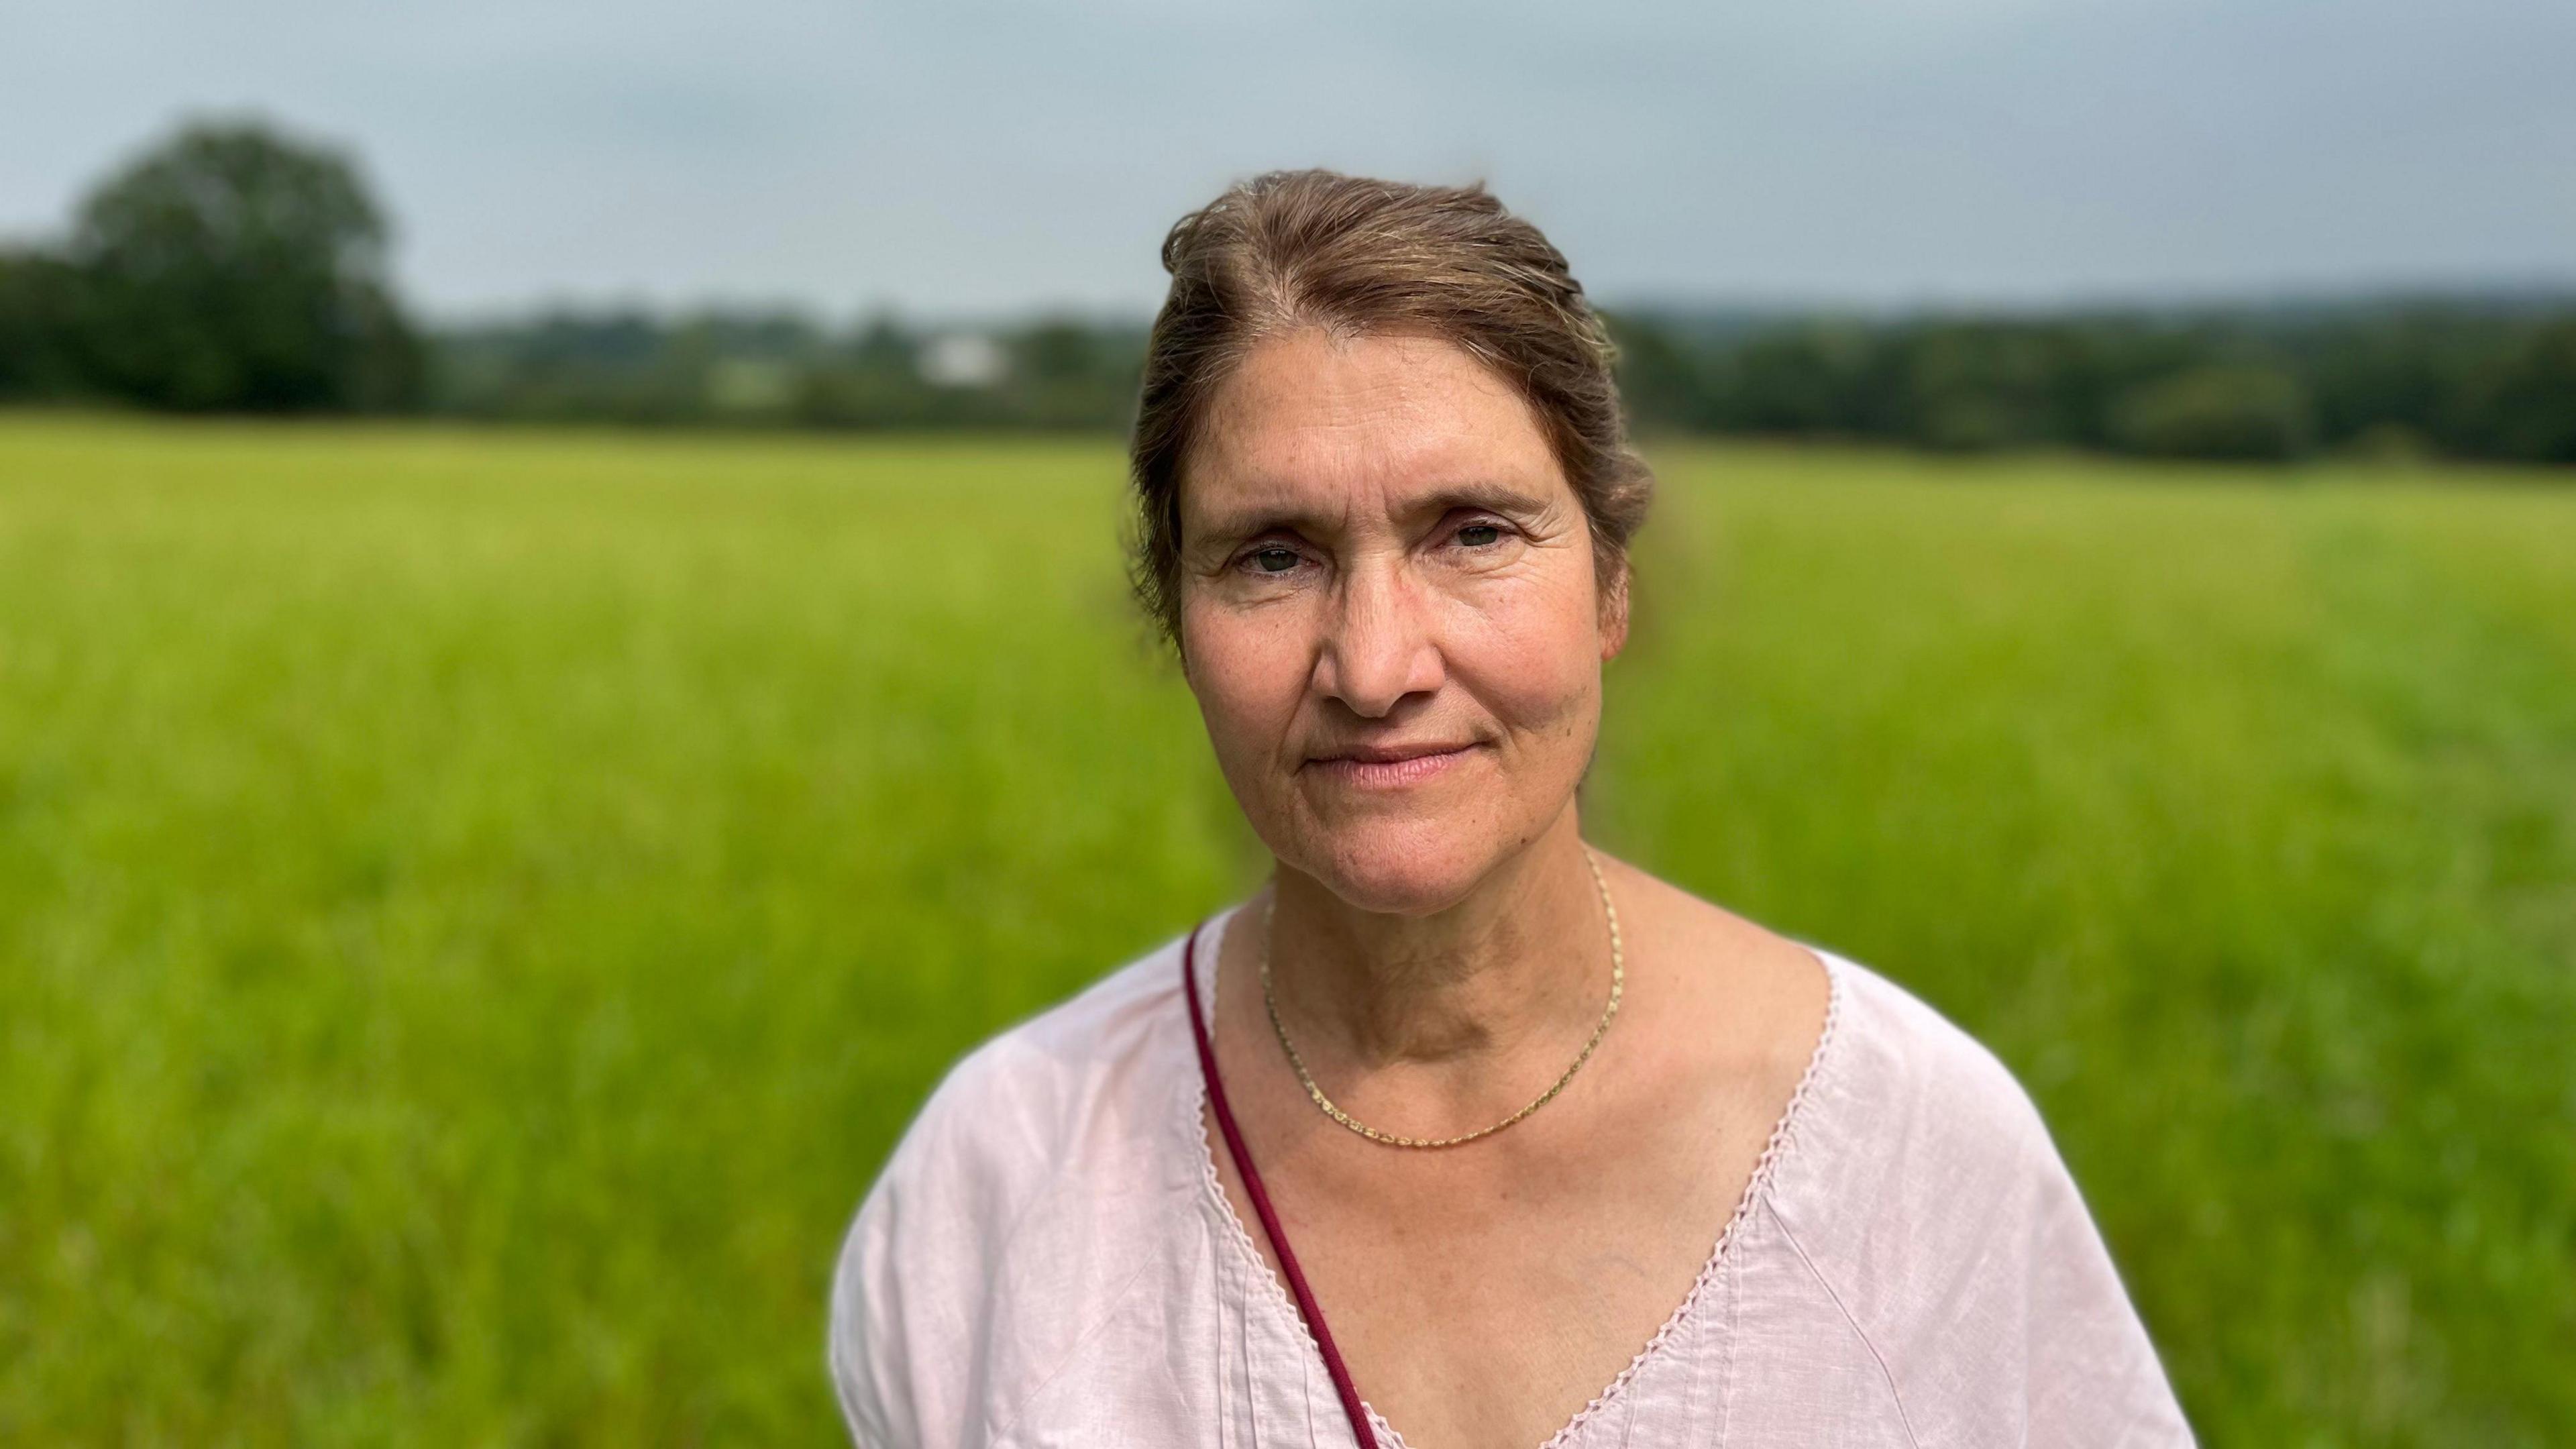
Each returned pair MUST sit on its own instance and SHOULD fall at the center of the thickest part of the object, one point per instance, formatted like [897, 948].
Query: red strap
[1340, 1374]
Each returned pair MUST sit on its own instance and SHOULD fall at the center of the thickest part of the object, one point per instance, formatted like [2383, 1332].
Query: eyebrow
[1487, 496]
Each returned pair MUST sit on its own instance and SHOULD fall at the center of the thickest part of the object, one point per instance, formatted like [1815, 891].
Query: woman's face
[1389, 613]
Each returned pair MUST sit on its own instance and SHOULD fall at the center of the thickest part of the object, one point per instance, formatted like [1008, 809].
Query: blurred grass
[475, 908]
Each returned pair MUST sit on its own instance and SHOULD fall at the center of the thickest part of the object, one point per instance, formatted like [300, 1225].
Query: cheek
[1248, 677]
[1534, 657]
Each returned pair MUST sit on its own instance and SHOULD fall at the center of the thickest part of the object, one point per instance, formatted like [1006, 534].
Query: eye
[1274, 559]
[1477, 535]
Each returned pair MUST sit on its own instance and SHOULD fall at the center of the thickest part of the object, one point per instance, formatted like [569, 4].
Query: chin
[1405, 867]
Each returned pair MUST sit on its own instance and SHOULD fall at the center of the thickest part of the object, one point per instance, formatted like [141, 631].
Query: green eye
[1477, 535]
[1276, 560]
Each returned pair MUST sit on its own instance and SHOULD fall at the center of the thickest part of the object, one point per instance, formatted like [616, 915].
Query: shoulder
[1924, 1193]
[1907, 1077]
[1013, 1105]
[1022, 1155]
[1074, 1083]
[1907, 1129]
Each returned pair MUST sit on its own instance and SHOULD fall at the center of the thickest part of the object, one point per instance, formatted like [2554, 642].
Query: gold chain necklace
[1618, 978]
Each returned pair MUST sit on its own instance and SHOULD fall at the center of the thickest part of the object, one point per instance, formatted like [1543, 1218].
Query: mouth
[1389, 767]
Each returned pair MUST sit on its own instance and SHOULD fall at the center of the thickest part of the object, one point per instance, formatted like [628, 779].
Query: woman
[1458, 1132]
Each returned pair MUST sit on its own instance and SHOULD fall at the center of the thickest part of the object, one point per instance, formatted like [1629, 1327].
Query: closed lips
[1389, 764]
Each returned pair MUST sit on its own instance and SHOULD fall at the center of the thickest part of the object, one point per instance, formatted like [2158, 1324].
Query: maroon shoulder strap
[1361, 1432]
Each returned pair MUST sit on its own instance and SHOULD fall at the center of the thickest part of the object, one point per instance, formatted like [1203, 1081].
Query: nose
[1377, 646]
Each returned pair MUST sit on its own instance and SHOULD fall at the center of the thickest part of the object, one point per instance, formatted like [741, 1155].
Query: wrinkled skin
[1381, 556]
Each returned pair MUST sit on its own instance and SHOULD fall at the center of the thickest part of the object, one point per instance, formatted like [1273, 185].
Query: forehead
[1305, 413]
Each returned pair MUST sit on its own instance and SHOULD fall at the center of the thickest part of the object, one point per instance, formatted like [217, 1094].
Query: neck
[1522, 960]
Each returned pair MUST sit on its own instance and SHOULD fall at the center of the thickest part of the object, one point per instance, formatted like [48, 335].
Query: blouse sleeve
[2094, 1377]
[870, 1373]
[944, 1319]
[1942, 1217]
[905, 1292]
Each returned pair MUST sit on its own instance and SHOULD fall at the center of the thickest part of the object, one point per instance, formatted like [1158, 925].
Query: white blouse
[1049, 1259]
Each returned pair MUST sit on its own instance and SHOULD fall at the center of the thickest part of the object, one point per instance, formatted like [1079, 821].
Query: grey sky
[979, 156]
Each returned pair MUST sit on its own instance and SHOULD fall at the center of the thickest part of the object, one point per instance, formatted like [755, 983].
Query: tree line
[234, 268]
[2471, 378]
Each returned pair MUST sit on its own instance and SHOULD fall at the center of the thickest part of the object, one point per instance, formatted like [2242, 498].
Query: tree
[2221, 410]
[235, 268]
[2524, 403]
[1815, 378]
[1973, 385]
[1066, 374]
[1659, 379]
[39, 326]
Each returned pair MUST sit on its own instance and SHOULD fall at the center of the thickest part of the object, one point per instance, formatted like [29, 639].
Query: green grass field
[476, 908]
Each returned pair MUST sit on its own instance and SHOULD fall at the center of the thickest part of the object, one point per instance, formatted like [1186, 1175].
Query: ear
[1614, 614]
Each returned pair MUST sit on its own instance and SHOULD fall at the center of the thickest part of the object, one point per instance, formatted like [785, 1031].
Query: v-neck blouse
[1049, 1258]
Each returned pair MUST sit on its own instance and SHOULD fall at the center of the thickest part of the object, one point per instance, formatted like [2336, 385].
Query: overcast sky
[971, 156]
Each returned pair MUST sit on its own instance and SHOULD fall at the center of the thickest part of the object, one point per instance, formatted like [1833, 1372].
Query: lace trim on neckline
[1194, 1101]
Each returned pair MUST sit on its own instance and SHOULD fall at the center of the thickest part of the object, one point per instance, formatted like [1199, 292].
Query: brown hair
[1353, 255]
